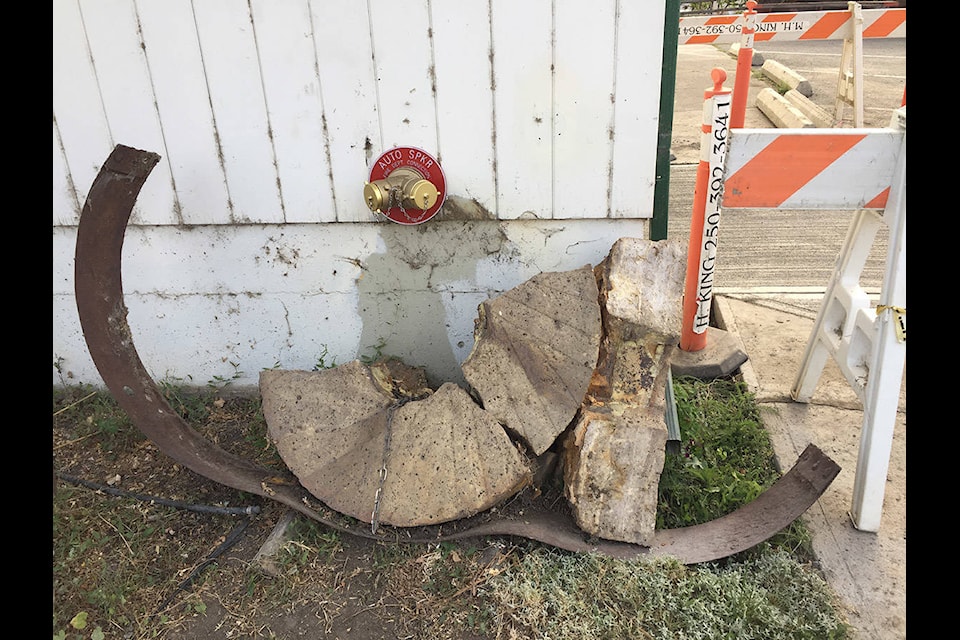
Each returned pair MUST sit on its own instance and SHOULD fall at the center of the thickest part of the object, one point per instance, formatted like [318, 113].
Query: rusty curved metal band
[103, 318]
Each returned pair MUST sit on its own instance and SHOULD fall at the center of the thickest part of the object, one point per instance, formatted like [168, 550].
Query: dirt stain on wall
[403, 289]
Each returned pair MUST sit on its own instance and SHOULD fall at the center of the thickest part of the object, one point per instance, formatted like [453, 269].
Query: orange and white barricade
[800, 25]
[863, 170]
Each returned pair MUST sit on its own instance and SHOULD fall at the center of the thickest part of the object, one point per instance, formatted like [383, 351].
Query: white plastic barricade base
[843, 326]
[863, 170]
[868, 343]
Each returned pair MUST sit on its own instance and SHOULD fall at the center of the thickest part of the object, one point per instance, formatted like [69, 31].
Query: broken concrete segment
[614, 455]
[535, 350]
[612, 472]
[641, 283]
[328, 426]
[335, 429]
[448, 459]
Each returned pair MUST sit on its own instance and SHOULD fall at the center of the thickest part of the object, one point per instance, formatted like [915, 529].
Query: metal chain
[395, 199]
[400, 401]
[375, 517]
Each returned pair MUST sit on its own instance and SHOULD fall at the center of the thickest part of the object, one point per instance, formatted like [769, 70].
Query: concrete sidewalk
[867, 570]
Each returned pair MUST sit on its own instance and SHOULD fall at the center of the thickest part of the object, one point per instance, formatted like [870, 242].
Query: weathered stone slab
[612, 472]
[329, 427]
[335, 429]
[448, 459]
[614, 455]
[535, 351]
[641, 284]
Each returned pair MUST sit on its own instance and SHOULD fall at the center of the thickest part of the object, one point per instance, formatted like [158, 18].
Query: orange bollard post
[741, 84]
[705, 218]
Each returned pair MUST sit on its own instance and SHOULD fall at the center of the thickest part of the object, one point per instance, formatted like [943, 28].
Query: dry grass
[128, 568]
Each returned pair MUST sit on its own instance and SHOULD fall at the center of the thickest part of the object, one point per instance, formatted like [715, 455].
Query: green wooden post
[668, 83]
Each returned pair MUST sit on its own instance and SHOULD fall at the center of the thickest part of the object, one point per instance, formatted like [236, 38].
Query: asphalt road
[884, 73]
[779, 251]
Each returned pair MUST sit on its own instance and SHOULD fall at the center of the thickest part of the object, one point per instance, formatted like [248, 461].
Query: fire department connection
[407, 185]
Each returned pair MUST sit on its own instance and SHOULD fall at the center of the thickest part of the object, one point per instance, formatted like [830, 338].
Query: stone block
[784, 76]
[614, 454]
[780, 111]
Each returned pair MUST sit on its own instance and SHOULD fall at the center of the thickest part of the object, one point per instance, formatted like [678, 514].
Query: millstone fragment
[614, 454]
[535, 350]
[448, 459]
[335, 429]
[328, 427]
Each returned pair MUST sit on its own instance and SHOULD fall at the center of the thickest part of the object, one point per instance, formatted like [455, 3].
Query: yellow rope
[900, 320]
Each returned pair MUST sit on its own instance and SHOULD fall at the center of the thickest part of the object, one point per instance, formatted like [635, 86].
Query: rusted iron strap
[103, 318]
[751, 524]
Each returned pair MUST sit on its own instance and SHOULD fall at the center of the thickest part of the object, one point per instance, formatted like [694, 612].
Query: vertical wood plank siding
[271, 111]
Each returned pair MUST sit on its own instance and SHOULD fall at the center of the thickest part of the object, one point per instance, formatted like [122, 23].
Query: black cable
[232, 538]
[199, 508]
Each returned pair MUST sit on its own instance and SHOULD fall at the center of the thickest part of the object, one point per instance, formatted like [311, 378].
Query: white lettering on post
[711, 214]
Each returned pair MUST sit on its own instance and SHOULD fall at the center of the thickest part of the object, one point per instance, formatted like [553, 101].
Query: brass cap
[422, 193]
[374, 196]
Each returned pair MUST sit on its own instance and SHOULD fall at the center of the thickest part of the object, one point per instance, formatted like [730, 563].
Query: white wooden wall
[270, 111]
[267, 115]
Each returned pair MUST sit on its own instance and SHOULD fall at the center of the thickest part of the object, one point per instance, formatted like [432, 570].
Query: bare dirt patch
[186, 574]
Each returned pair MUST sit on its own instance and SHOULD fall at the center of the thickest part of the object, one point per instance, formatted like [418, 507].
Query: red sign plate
[421, 162]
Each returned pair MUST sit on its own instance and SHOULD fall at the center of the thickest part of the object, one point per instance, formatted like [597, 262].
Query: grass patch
[119, 564]
[550, 594]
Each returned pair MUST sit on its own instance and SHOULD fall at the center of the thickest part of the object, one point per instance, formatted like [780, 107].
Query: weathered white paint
[183, 102]
[232, 67]
[79, 121]
[523, 107]
[270, 112]
[344, 58]
[65, 203]
[267, 115]
[461, 31]
[400, 30]
[295, 109]
[583, 108]
[222, 301]
[636, 123]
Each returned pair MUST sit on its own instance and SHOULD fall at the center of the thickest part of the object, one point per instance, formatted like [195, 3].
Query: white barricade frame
[867, 342]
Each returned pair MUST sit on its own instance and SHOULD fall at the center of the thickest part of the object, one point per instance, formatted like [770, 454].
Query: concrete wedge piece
[535, 351]
[405, 462]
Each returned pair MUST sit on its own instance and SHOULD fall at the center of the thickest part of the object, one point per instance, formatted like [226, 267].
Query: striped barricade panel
[803, 25]
[810, 169]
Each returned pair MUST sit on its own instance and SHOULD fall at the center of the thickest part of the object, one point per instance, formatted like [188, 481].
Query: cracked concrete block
[819, 116]
[535, 351]
[614, 454]
[783, 75]
[781, 112]
[440, 456]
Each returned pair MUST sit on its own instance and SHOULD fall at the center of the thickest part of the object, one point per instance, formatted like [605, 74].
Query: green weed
[322, 360]
[376, 352]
